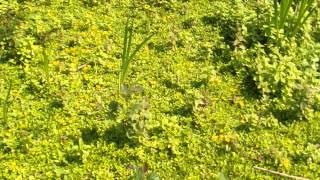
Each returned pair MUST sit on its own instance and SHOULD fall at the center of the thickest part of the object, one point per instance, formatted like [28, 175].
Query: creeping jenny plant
[195, 115]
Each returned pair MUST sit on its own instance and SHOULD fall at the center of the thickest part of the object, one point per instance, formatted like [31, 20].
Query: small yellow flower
[227, 139]
[240, 104]
[214, 138]
[98, 87]
[55, 63]
[152, 82]
[86, 68]
[242, 119]
[285, 162]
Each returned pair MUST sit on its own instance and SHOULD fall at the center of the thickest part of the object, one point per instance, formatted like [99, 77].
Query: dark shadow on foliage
[73, 158]
[169, 84]
[156, 131]
[5, 148]
[256, 35]
[316, 36]
[249, 89]
[243, 127]
[185, 111]
[113, 109]
[89, 135]
[163, 47]
[222, 54]
[198, 84]
[286, 116]
[117, 135]
[300, 158]
[228, 69]
[56, 103]
[9, 22]
[188, 23]
[228, 28]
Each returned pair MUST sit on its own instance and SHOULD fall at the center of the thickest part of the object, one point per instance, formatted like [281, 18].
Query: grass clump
[127, 53]
[281, 15]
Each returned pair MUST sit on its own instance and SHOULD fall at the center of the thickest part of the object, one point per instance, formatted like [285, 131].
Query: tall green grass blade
[45, 64]
[124, 54]
[127, 56]
[284, 11]
[281, 14]
[276, 13]
[304, 11]
[130, 37]
[126, 65]
[140, 46]
[125, 42]
[300, 22]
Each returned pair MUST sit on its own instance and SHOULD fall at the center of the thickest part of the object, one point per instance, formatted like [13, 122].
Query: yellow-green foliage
[211, 95]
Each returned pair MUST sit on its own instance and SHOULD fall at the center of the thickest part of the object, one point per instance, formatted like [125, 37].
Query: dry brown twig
[280, 174]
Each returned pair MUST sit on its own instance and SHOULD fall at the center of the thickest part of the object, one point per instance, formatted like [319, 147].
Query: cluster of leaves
[284, 67]
[290, 81]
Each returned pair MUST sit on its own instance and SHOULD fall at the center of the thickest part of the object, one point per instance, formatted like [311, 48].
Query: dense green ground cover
[216, 89]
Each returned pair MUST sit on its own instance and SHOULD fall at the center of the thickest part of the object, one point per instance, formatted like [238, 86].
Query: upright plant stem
[124, 55]
[45, 63]
[276, 13]
[284, 11]
[127, 55]
[281, 15]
